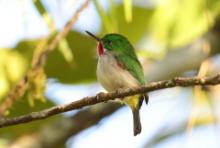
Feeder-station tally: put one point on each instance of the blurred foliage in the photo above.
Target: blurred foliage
(140, 21)
(36, 86)
(82, 69)
(128, 10)
(12, 70)
(106, 20)
(171, 23)
(177, 23)
(22, 107)
(63, 44)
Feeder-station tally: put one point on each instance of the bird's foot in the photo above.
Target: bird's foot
(119, 90)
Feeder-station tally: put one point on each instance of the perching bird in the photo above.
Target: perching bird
(118, 67)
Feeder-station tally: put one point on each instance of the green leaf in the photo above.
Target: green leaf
(12, 70)
(45, 15)
(82, 69)
(113, 14)
(104, 17)
(139, 25)
(65, 50)
(128, 10)
(20, 108)
(176, 24)
(36, 86)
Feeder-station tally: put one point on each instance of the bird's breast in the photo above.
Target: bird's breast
(112, 76)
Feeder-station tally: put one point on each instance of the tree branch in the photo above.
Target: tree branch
(51, 136)
(19, 89)
(103, 97)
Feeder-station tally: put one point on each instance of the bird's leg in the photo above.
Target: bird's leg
(120, 100)
(119, 90)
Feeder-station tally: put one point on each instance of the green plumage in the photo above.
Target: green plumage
(125, 54)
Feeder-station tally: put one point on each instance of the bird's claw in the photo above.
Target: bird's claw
(119, 90)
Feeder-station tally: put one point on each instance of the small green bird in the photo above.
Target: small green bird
(118, 67)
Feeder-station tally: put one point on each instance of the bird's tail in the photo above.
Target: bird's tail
(135, 103)
(136, 121)
(146, 98)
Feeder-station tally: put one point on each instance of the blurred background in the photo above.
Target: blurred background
(171, 37)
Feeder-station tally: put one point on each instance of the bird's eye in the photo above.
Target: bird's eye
(109, 42)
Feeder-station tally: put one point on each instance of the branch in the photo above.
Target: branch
(67, 127)
(19, 89)
(166, 68)
(103, 97)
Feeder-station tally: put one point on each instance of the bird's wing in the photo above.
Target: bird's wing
(131, 64)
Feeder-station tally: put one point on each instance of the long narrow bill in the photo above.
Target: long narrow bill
(94, 36)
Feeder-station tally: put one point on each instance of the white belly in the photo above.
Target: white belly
(111, 76)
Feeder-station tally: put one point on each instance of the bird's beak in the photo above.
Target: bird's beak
(94, 36)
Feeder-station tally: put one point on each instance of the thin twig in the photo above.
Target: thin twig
(103, 97)
(18, 91)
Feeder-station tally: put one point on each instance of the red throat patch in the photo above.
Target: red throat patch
(100, 49)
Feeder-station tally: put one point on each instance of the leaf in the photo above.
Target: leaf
(20, 108)
(45, 15)
(83, 68)
(63, 46)
(128, 10)
(107, 22)
(139, 25)
(65, 50)
(113, 14)
(36, 86)
(12, 70)
(176, 24)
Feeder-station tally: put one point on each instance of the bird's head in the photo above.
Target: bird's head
(113, 43)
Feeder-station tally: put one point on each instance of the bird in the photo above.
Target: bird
(118, 68)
